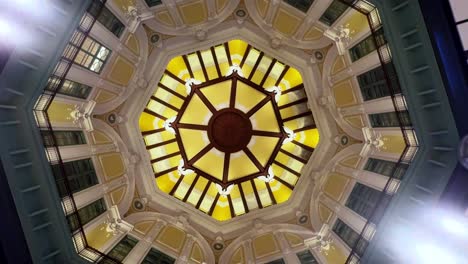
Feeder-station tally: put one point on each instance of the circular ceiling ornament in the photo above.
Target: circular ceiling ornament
(230, 130)
(230, 127)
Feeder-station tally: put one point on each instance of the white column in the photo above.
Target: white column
(380, 105)
(340, 76)
(84, 76)
(272, 8)
(144, 245)
(104, 36)
(289, 255)
(249, 257)
(69, 153)
(186, 250)
(172, 8)
(354, 220)
(93, 193)
(374, 180)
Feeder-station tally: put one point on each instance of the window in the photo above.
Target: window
(386, 167)
(277, 261)
(373, 84)
(364, 199)
(121, 250)
(155, 256)
(302, 5)
(390, 119)
(107, 18)
(69, 88)
(350, 237)
(86, 214)
(333, 12)
(305, 257)
(80, 175)
(367, 45)
(63, 138)
(92, 54)
(151, 3)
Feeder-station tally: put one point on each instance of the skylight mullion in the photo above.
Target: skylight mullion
(189, 191)
(254, 69)
(280, 78)
(228, 53)
(165, 103)
(203, 67)
(174, 188)
(266, 133)
(213, 205)
(267, 73)
(231, 206)
(253, 159)
(257, 197)
(154, 114)
(287, 153)
(283, 182)
(227, 159)
(303, 146)
(281, 165)
(205, 100)
(162, 173)
(215, 58)
(202, 196)
(187, 65)
(270, 192)
(246, 54)
(297, 116)
(242, 195)
(305, 128)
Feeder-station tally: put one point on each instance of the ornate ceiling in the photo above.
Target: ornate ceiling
(228, 130)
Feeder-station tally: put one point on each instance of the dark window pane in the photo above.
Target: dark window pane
(155, 256)
(390, 119)
(367, 45)
(373, 84)
(86, 214)
(305, 257)
(364, 199)
(386, 167)
(80, 175)
(302, 5)
(63, 138)
(151, 3)
(107, 19)
(121, 250)
(350, 237)
(69, 88)
(333, 12)
(278, 261)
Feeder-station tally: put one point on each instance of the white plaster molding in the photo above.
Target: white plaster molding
(327, 66)
(167, 219)
(183, 29)
(265, 25)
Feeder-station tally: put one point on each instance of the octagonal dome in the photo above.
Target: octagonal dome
(228, 129)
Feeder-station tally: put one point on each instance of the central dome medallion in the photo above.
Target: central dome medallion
(233, 114)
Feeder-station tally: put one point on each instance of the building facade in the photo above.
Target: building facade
(211, 131)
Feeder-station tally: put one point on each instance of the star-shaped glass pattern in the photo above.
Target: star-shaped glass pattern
(228, 130)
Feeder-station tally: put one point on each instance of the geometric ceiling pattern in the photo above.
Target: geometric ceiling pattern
(228, 130)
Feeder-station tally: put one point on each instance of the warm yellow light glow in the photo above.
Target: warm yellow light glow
(188, 143)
